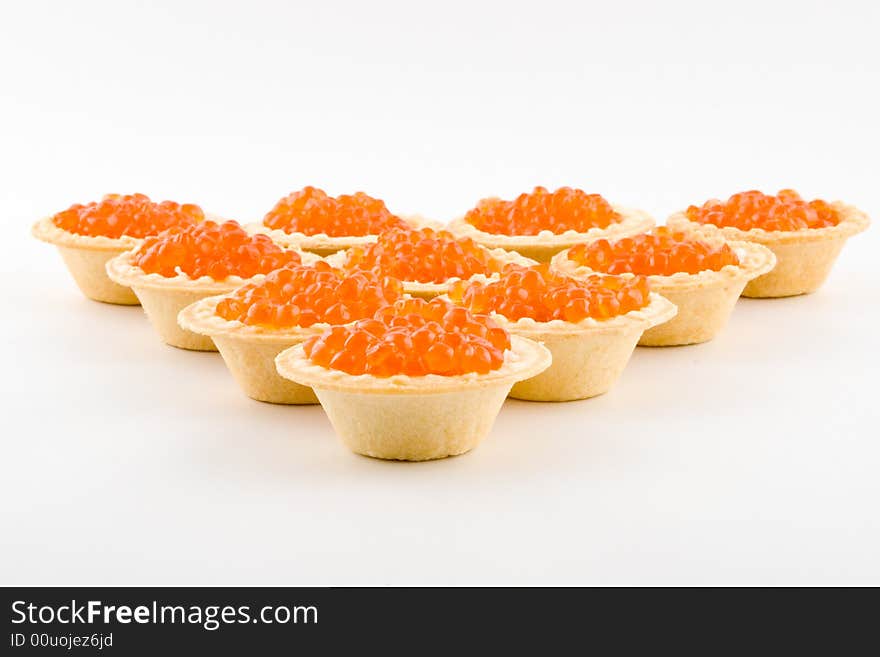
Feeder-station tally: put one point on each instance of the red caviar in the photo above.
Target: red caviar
(134, 215)
(413, 337)
(425, 255)
(311, 211)
(529, 214)
(212, 249)
(661, 252)
(747, 210)
(543, 295)
(306, 295)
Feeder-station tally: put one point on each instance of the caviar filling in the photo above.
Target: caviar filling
(132, 215)
(542, 295)
(413, 337)
(311, 211)
(424, 256)
(303, 296)
(211, 249)
(661, 252)
(785, 211)
(529, 214)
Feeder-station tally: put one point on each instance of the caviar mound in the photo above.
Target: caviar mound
(543, 295)
(413, 337)
(662, 252)
(134, 215)
(786, 211)
(424, 256)
(211, 249)
(311, 211)
(530, 213)
(307, 295)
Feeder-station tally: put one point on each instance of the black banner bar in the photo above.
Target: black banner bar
(150, 621)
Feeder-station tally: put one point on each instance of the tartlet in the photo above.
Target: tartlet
(313, 221)
(426, 260)
(410, 394)
(805, 237)
(540, 224)
(253, 324)
(702, 275)
(590, 325)
(183, 265)
(87, 236)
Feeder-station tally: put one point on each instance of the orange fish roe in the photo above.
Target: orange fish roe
(529, 214)
(660, 252)
(425, 256)
(212, 249)
(747, 210)
(311, 211)
(134, 215)
(543, 295)
(302, 296)
(413, 337)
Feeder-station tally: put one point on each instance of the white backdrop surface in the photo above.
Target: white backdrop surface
(752, 459)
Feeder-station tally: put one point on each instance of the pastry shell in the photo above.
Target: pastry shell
(324, 245)
(430, 290)
(705, 300)
(86, 257)
(164, 297)
(414, 418)
(803, 257)
(588, 356)
(249, 351)
(543, 246)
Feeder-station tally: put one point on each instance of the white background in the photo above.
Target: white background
(753, 459)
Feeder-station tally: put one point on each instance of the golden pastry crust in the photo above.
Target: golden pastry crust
(545, 244)
(522, 360)
(803, 257)
(122, 270)
(414, 418)
(588, 356)
(164, 297)
(47, 231)
(852, 222)
(430, 290)
(705, 300)
(754, 260)
(658, 310)
(201, 317)
(249, 351)
(86, 257)
(325, 245)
